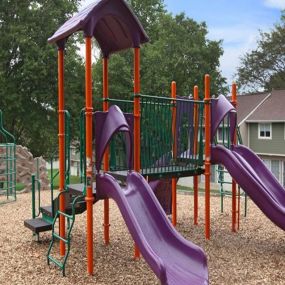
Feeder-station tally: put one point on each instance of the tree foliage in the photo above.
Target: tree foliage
(178, 50)
(28, 70)
(264, 67)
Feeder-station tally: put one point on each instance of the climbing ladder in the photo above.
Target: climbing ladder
(7, 165)
(67, 239)
(46, 218)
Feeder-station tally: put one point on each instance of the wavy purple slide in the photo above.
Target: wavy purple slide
(255, 179)
(173, 259)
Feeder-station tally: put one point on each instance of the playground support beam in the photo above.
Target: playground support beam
(207, 155)
(174, 150)
(89, 165)
(106, 155)
(234, 185)
(61, 142)
(137, 131)
(195, 179)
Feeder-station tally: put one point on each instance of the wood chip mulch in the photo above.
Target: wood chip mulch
(254, 255)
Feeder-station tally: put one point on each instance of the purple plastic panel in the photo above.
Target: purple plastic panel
(111, 22)
(220, 108)
(174, 260)
(106, 125)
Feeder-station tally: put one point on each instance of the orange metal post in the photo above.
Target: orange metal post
(61, 140)
(234, 186)
(89, 165)
(174, 149)
(195, 178)
(238, 211)
(137, 131)
(106, 155)
(207, 155)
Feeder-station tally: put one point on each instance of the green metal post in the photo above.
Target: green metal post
(33, 197)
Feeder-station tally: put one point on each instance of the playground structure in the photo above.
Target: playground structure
(7, 165)
(184, 130)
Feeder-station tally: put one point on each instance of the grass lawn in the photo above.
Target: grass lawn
(73, 179)
(20, 186)
(190, 190)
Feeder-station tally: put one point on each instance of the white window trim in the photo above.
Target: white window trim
(265, 138)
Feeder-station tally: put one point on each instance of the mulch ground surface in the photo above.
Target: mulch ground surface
(254, 255)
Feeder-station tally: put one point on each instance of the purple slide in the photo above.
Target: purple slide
(255, 179)
(173, 259)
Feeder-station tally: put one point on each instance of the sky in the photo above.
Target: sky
(236, 22)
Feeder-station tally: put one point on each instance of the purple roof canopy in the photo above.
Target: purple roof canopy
(111, 22)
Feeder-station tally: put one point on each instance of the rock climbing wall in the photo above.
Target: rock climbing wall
(28, 165)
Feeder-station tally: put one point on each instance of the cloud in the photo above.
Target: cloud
(237, 40)
(279, 4)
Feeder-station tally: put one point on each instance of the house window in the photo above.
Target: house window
(267, 163)
(264, 131)
(275, 168)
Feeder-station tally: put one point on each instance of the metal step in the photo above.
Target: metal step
(47, 210)
(79, 209)
(38, 225)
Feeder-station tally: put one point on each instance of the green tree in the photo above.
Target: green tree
(178, 50)
(28, 70)
(264, 67)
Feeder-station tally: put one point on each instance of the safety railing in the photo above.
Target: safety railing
(171, 142)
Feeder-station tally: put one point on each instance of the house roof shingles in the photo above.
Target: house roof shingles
(272, 109)
(247, 103)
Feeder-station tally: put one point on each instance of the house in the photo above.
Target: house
(264, 131)
(261, 120)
